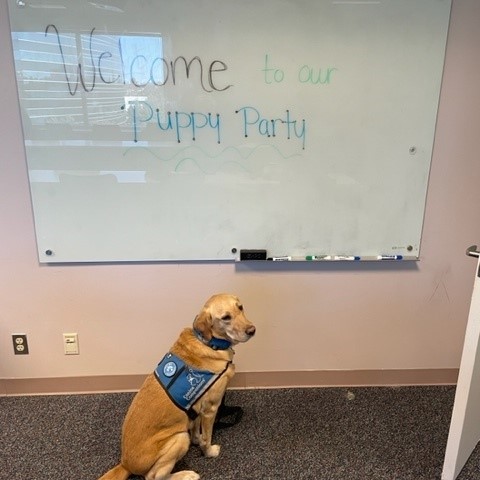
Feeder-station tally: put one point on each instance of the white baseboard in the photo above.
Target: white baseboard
(289, 379)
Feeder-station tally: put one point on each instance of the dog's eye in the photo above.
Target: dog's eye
(227, 317)
(240, 307)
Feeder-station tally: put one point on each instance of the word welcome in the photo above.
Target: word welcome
(185, 126)
(137, 69)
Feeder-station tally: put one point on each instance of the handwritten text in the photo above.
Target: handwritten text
(189, 126)
(160, 71)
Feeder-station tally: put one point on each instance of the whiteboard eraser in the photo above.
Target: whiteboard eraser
(253, 254)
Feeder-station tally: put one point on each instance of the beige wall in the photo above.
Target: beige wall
(322, 317)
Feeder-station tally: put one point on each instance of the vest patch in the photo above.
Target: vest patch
(183, 383)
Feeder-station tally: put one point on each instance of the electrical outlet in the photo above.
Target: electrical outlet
(20, 344)
(70, 343)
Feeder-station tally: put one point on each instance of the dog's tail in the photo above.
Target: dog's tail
(116, 473)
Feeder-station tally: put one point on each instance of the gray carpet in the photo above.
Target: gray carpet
(314, 434)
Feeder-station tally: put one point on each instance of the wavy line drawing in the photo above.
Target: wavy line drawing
(195, 162)
(207, 154)
(149, 150)
(263, 145)
(193, 158)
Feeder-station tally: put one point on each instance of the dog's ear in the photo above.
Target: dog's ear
(203, 323)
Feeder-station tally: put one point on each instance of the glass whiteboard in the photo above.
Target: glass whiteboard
(188, 130)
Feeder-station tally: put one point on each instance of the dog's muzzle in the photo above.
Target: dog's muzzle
(250, 331)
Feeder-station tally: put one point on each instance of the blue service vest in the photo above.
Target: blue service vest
(183, 383)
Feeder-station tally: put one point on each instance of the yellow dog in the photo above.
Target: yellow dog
(178, 402)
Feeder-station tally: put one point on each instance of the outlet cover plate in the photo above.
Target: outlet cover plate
(20, 343)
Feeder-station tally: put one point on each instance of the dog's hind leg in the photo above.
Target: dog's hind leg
(171, 453)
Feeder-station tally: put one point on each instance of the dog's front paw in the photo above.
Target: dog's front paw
(189, 475)
(212, 451)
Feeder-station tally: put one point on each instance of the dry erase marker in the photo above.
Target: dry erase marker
(342, 257)
(390, 257)
(315, 257)
(280, 259)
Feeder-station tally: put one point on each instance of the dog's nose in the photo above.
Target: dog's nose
(250, 331)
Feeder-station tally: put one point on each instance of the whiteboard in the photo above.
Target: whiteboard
(187, 130)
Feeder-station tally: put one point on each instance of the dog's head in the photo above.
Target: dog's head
(223, 317)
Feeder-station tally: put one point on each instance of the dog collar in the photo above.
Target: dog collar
(215, 343)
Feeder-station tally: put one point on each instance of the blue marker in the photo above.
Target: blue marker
(390, 257)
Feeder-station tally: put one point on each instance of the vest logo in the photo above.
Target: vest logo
(169, 369)
(196, 381)
(194, 378)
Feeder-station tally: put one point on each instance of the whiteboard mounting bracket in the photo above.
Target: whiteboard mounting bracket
(473, 251)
